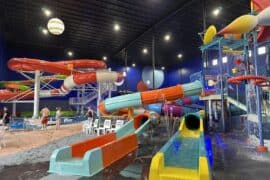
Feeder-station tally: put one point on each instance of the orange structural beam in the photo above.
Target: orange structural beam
(12, 85)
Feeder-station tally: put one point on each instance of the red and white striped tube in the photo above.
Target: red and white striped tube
(82, 78)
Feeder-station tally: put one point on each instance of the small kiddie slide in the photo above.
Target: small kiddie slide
(184, 155)
(89, 157)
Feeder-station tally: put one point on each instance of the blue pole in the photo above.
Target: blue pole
(258, 97)
(221, 85)
(248, 105)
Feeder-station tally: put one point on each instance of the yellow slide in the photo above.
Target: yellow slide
(183, 157)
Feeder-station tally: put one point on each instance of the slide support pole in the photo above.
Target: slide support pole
(36, 94)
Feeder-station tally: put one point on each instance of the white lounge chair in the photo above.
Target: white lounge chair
(106, 127)
(95, 126)
(118, 124)
(88, 127)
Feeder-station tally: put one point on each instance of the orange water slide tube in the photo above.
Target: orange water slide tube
(58, 67)
(149, 97)
(77, 72)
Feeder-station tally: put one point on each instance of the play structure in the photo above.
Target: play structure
(235, 54)
(184, 155)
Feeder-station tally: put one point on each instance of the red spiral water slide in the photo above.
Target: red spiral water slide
(74, 69)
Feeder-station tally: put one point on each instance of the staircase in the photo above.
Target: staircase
(83, 100)
(87, 100)
(237, 103)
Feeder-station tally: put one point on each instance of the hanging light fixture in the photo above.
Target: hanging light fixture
(56, 26)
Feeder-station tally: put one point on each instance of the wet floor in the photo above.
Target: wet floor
(233, 159)
(25, 171)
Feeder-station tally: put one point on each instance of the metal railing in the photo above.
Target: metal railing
(83, 100)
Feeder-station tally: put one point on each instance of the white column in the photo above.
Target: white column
(98, 101)
(110, 90)
(210, 113)
(36, 94)
(13, 109)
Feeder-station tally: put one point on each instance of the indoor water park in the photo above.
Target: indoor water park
(131, 90)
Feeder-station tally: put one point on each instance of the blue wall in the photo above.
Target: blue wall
(132, 78)
(181, 74)
(174, 76)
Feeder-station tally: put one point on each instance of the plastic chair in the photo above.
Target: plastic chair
(89, 127)
(95, 126)
(118, 124)
(86, 128)
(106, 126)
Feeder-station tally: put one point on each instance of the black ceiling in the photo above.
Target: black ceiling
(89, 27)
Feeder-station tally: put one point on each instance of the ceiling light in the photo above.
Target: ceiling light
(44, 31)
(104, 58)
(167, 37)
(216, 11)
(70, 53)
(163, 68)
(133, 65)
(211, 82)
(47, 12)
(128, 68)
(214, 62)
(145, 50)
(148, 82)
(249, 53)
(225, 59)
(116, 27)
(56, 26)
(261, 50)
(125, 74)
(179, 55)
